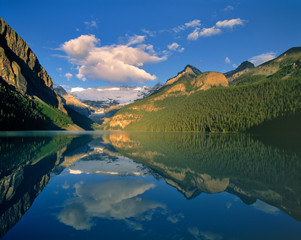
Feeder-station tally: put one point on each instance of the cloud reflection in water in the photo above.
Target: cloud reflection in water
(118, 199)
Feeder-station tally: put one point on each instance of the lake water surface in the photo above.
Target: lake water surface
(102, 185)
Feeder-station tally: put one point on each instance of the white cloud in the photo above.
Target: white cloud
(227, 60)
(193, 23)
(216, 29)
(112, 63)
(175, 47)
(229, 23)
(257, 60)
(205, 32)
(194, 35)
(115, 199)
(68, 76)
(59, 69)
(77, 89)
(80, 47)
(135, 39)
(91, 24)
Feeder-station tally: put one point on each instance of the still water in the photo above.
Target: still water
(87, 185)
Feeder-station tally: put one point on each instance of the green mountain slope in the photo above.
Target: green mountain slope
(287, 65)
(201, 104)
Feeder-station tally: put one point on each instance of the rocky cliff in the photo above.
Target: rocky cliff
(20, 68)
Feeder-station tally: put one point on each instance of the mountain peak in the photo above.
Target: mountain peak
(190, 68)
(243, 67)
(292, 50)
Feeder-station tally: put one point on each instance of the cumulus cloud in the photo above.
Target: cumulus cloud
(115, 199)
(80, 47)
(229, 23)
(68, 76)
(227, 60)
(175, 47)
(259, 59)
(112, 63)
(216, 29)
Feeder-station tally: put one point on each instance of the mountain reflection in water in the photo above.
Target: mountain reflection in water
(96, 179)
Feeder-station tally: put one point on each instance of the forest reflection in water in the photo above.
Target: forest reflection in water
(104, 179)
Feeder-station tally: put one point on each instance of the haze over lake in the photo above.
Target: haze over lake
(88, 185)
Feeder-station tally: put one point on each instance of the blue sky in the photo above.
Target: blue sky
(142, 42)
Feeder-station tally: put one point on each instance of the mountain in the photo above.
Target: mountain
(27, 98)
(205, 102)
(72, 102)
(287, 65)
(104, 97)
(241, 69)
(20, 68)
(101, 103)
(189, 71)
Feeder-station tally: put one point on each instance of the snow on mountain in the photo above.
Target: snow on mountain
(118, 95)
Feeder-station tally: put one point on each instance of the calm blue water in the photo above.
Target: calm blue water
(152, 186)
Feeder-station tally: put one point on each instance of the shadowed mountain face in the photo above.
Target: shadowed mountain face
(20, 68)
(238, 164)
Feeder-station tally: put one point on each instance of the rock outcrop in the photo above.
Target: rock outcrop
(188, 70)
(20, 67)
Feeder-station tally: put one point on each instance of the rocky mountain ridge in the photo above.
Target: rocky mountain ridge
(20, 68)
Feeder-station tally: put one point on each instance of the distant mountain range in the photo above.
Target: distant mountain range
(102, 102)
(112, 95)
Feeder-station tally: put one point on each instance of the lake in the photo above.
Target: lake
(117, 185)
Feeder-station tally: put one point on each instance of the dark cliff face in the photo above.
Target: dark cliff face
(20, 68)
